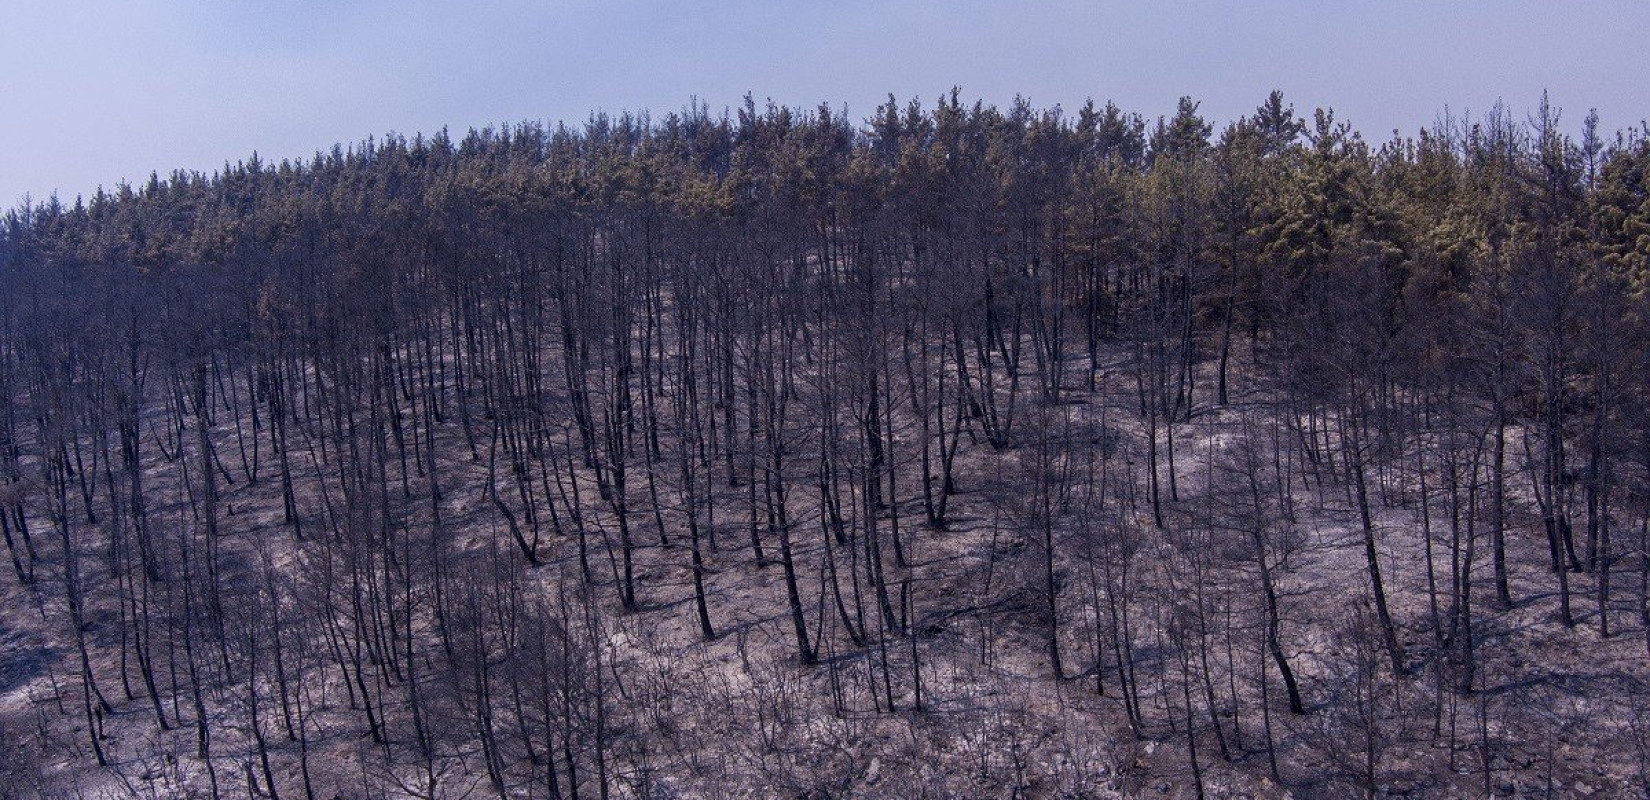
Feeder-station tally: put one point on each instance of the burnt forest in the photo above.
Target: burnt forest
(951, 450)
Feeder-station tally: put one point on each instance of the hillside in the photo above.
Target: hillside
(968, 453)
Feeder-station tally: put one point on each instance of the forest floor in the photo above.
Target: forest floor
(1554, 711)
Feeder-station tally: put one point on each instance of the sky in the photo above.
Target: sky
(94, 92)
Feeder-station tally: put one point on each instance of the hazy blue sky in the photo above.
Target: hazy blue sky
(94, 91)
